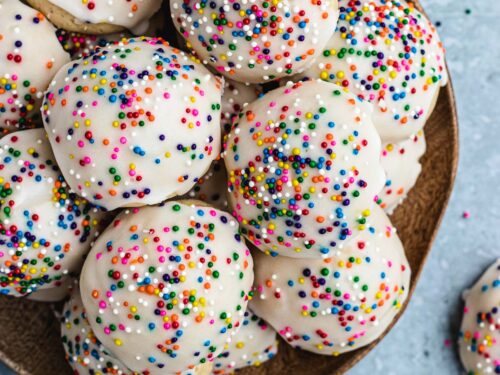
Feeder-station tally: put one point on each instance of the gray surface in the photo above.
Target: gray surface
(4, 370)
(464, 247)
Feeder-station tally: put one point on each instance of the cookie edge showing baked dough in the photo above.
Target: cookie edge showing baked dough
(65, 20)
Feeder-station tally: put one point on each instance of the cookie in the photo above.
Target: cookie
(335, 305)
(253, 344)
(30, 56)
(98, 17)
(46, 230)
(388, 53)
(165, 287)
(401, 163)
(304, 169)
(479, 337)
(256, 41)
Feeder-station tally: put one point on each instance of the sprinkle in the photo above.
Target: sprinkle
(42, 238)
(255, 41)
(161, 273)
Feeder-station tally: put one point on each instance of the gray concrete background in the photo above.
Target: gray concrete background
(423, 341)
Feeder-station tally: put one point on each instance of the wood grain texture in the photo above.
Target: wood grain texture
(29, 332)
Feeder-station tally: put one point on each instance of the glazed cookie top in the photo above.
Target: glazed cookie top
(389, 53)
(402, 168)
(235, 98)
(29, 57)
(45, 229)
(212, 187)
(254, 344)
(256, 41)
(304, 168)
(479, 338)
(84, 352)
(135, 123)
(133, 15)
(339, 304)
(165, 287)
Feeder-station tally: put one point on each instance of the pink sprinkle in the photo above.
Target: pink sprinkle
(466, 215)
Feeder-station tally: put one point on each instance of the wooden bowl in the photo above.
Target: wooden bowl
(30, 340)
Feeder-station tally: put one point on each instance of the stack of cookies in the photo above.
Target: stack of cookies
(193, 203)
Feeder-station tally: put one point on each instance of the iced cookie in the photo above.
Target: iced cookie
(30, 56)
(479, 338)
(45, 228)
(332, 306)
(401, 163)
(212, 187)
(254, 344)
(304, 169)
(84, 352)
(59, 292)
(388, 53)
(98, 17)
(235, 98)
(165, 287)
(256, 41)
(135, 123)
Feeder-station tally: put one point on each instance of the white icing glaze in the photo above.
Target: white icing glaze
(258, 43)
(408, 57)
(253, 344)
(84, 352)
(133, 15)
(135, 123)
(402, 168)
(30, 56)
(479, 338)
(46, 230)
(165, 287)
(304, 168)
(337, 305)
